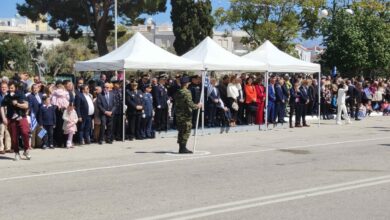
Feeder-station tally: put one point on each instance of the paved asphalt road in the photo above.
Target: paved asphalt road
(331, 172)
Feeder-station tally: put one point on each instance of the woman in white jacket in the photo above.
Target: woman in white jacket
(341, 107)
(233, 94)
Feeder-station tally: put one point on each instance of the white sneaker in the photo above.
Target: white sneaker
(27, 155)
(349, 122)
(17, 156)
(339, 123)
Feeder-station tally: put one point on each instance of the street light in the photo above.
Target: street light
(116, 23)
(349, 11)
(323, 13)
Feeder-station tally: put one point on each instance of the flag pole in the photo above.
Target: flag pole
(202, 98)
(319, 98)
(124, 108)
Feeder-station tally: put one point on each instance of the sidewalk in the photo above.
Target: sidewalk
(247, 128)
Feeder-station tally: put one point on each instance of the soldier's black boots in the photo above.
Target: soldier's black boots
(183, 149)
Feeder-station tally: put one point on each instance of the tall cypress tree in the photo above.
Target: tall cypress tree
(192, 22)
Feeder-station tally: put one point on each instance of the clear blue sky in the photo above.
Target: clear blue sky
(8, 9)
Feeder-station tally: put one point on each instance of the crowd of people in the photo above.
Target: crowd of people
(61, 114)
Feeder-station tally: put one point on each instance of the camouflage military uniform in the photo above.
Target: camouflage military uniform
(184, 108)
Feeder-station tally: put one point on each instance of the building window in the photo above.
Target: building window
(36, 27)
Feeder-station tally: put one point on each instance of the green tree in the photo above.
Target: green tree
(358, 43)
(192, 22)
(280, 21)
(61, 58)
(13, 49)
(70, 16)
(123, 36)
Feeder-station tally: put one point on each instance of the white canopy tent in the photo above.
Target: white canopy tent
(216, 58)
(138, 53)
(279, 61)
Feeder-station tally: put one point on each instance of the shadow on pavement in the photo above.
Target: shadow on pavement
(6, 158)
(156, 152)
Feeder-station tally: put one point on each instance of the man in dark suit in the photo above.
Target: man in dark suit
(358, 94)
(222, 89)
(271, 100)
(196, 90)
(134, 102)
(118, 114)
(34, 103)
(213, 100)
(105, 103)
(280, 101)
(304, 101)
(160, 101)
(85, 110)
(351, 99)
(172, 90)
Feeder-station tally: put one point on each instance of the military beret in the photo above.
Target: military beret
(184, 79)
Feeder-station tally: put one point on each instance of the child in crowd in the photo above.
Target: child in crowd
(60, 97)
(368, 107)
(385, 108)
(147, 114)
(47, 120)
(362, 112)
(70, 124)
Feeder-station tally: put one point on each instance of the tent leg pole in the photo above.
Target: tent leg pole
(198, 117)
(124, 111)
(203, 99)
(266, 101)
(319, 98)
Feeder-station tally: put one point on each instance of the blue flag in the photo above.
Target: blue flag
(42, 133)
(207, 84)
(34, 122)
(334, 71)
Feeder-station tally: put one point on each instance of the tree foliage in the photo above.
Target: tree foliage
(14, 49)
(358, 44)
(70, 16)
(61, 58)
(280, 21)
(192, 22)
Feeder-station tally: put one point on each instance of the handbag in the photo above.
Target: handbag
(235, 106)
(253, 107)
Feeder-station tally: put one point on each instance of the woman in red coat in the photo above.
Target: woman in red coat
(261, 95)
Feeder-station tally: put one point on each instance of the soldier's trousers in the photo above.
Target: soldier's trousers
(184, 127)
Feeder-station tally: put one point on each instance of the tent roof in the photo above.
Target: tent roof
(215, 57)
(138, 53)
(278, 61)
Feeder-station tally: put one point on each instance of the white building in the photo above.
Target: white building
(311, 54)
(162, 35)
(25, 27)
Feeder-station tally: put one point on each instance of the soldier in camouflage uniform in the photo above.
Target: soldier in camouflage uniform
(184, 108)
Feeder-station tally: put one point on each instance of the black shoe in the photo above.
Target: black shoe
(100, 142)
(183, 149)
